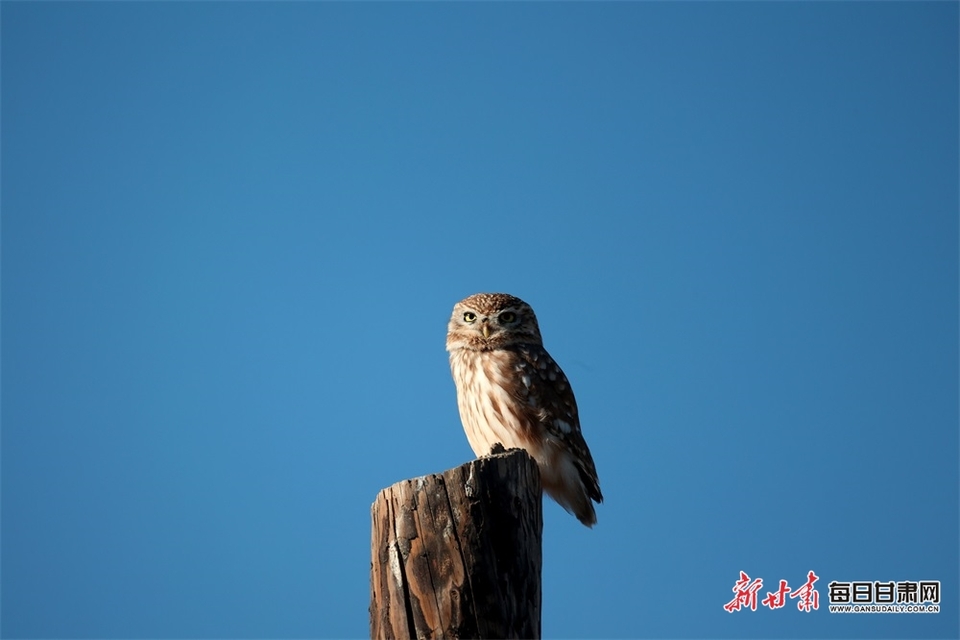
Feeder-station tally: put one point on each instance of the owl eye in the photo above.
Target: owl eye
(507, 317)
(469, 316)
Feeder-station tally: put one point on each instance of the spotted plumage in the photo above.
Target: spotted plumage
(511, 391)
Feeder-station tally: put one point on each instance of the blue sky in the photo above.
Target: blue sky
(232, 234)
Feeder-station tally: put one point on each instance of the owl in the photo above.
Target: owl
(511, 391)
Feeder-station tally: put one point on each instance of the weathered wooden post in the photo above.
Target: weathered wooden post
(458, 555)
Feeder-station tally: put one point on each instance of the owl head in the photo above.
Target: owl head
(487, 321)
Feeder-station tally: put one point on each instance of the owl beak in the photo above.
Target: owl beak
(485, 328)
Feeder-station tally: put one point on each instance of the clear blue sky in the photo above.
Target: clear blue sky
(232, 234)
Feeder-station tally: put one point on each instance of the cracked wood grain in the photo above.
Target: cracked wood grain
(458, 554)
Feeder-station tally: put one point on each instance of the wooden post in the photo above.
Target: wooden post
(457, 555)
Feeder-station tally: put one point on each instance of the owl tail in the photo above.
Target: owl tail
(576, 502)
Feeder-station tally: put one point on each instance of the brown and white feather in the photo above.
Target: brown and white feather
(509, 390)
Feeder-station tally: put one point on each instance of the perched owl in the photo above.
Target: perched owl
(510, 391)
